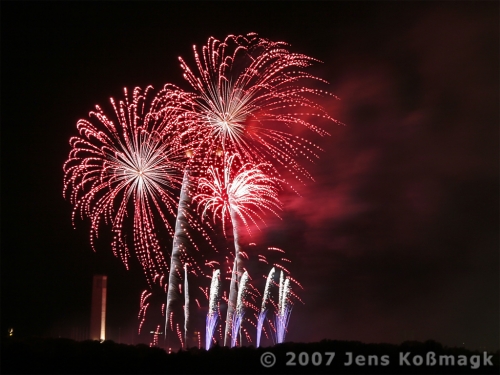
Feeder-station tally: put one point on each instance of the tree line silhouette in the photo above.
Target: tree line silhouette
(61, 355)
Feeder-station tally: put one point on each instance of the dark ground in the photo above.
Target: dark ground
(57, 356)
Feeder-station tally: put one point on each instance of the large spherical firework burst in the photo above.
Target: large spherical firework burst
(249, 93)
(124, 169)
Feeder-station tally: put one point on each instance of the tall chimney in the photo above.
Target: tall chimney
(98, 310)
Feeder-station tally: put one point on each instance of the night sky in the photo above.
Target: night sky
(398, 237)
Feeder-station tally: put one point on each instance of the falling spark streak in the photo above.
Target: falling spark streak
(179, 335)
(204, 292)
(129, 163)
(263, 260)
(144, 309)
(212, 263)
(275, 249)
(247, 335)
(296, 282)
(263, 310)
(213, 314)
(143, 306)
(240, 309)
(155, 337)
(265, 332)
(280, 266)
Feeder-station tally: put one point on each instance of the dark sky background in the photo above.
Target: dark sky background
(397, 239)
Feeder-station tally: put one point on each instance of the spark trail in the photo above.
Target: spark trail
(263, 310)
(143, 307)
(283, 314)
(212, 315)
(240, 309)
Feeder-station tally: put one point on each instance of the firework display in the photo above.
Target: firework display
(223, 151)
(232, 194)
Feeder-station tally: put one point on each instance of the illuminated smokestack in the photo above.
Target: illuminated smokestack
(98, 310)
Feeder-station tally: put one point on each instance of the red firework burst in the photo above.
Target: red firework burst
(130, 162)
(246, 192)
(249, 92)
